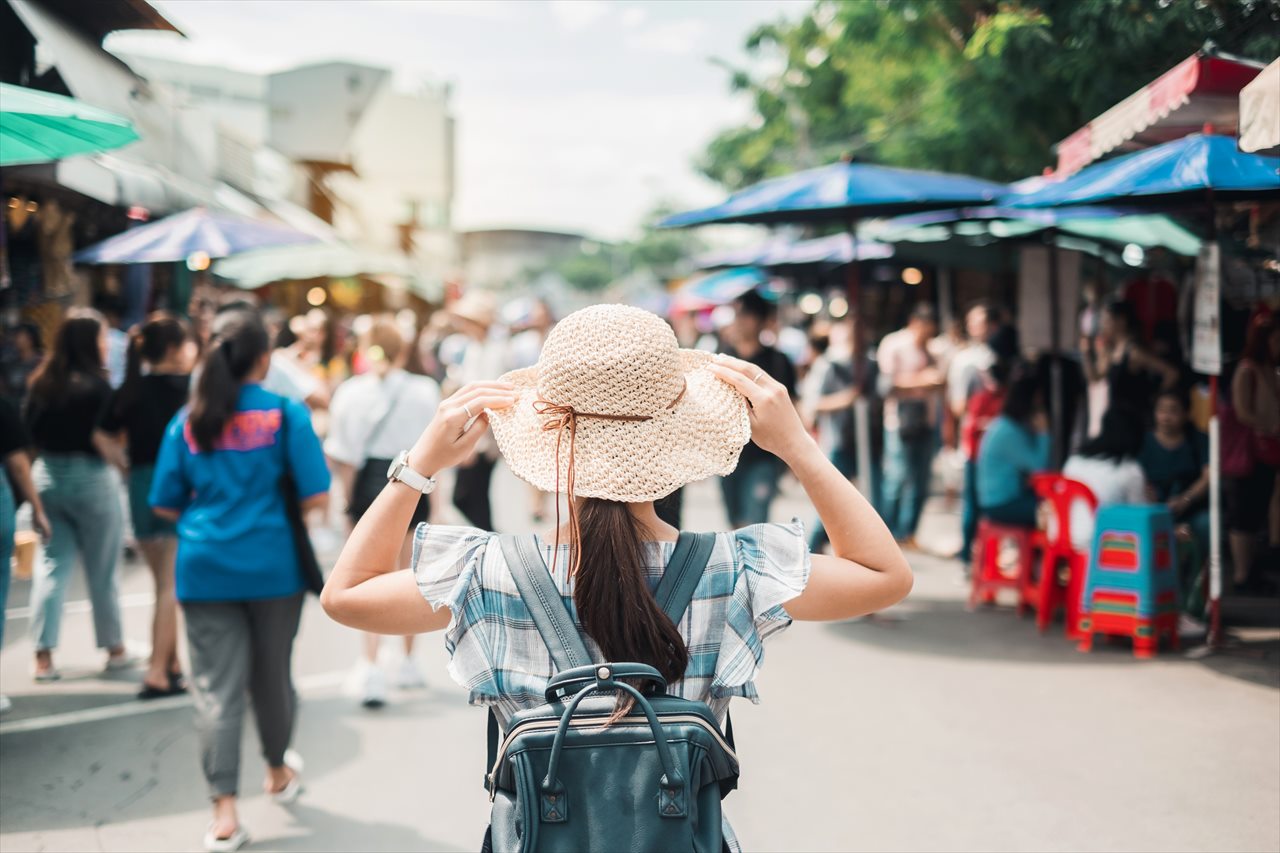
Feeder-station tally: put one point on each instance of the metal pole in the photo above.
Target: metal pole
(1056, 453)
(861, 406)
(1214, 638)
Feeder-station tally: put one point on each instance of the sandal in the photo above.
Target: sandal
(151, 692)
(288, 795)
(230, 844)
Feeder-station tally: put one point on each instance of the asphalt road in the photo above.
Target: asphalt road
(935, 729)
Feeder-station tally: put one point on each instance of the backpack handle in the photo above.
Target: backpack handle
(672, 801)
(580, 676)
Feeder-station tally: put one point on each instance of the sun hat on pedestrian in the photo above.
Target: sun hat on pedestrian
(478, 306)
(614, 409)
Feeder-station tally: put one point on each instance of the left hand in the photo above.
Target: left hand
(40, 522)
(448, 440)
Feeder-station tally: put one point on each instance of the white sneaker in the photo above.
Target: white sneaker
(5, 704)
(373, 690)
(409, 677)
(213, 844)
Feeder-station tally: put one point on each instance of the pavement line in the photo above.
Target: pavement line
(133, 599)
(316, 681)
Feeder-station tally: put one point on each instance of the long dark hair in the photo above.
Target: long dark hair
(1024, 397)
(75, 350)
(1120, 437)
(613, 599)
(149, 342)
(238, 341)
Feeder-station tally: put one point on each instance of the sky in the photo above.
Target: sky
(571, 114)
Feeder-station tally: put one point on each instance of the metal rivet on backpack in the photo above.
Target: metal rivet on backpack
(552, 814)
(602, 672)
(551, 798)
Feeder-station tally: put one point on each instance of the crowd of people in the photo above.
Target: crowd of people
(225, 434)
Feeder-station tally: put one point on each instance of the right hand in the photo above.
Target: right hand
(448, 440)
(775, 423)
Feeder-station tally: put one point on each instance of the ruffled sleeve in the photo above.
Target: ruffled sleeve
(448, 564)
(770, 567)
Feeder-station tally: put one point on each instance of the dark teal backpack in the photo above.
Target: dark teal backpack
(561, 780)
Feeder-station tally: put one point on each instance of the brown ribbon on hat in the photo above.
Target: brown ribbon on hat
(565, 419)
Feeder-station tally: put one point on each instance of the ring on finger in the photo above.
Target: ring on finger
(756, 378)
(466, 408)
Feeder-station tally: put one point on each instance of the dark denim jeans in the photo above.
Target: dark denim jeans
(908, 467)
(749, 490)
(845, 464)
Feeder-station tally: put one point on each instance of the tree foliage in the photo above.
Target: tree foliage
(984, 87)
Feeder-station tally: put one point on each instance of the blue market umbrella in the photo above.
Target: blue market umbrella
(842, 192)
(717, 288)
(177, 237)
(1193, 166)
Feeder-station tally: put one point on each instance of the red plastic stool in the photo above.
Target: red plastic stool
(989, 577)
(1050, 588)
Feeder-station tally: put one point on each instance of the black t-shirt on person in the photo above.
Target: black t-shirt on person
(145, 414)
(776, 364)
(13, 433)
(66, 424)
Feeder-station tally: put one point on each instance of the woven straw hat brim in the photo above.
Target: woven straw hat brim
(629, 461)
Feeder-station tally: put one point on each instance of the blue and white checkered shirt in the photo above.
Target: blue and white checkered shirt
(497, 654)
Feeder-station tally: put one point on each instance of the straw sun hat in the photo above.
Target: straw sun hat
(614, 409)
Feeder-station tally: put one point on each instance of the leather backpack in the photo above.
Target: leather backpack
(563, 778)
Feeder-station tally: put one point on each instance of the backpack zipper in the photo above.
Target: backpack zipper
(595, 722)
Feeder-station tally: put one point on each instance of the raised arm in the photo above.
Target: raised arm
(868, 571)
(367, 589)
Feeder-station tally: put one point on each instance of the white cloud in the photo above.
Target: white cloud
(681, 37)
(634, 16)
(577, 15)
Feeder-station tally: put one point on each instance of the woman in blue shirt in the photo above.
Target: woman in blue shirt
(1015, 446)
(219, 476)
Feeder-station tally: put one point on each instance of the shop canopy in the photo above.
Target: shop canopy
(836, 249)
(38, 127)
(1107, 224)
(842, 192)
(1202, 90)
(303, 262)
(195, 231)
(1196, 167)
(1260, 111)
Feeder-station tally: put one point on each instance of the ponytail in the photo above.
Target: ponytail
(149, 343)
(238, 342)
(612, 594)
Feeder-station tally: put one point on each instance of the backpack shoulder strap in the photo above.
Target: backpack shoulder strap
(680, 578)
(544, 603)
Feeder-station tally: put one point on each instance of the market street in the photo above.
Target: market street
(931, 728)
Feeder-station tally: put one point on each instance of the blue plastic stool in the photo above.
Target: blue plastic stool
(1131, 584)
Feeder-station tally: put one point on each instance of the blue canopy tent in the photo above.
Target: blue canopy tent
(834, 249)
(841, 192)
(717, 288)
(1201, 168)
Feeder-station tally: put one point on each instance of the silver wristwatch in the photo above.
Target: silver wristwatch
(401, 472)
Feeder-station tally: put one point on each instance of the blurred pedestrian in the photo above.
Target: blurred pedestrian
(372, 418)
(1254, 499)
(80, 492)
(982, 408)
(1175, 463)
(1108, 465)
(964, 372)
(911, 384)
(523, 351)
(829, 407)
(220, 475)
(685, 419)
(156, 385)
(21, 359)
(750, 489)
(1131, 372)
(16, 486)
(1015, 446)
(482, 359)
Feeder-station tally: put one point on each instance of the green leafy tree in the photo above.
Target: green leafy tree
(984, 87)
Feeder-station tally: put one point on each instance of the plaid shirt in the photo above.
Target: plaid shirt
(497, 654)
